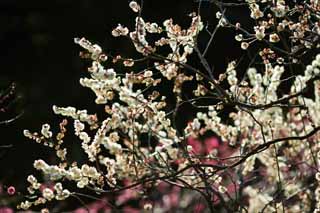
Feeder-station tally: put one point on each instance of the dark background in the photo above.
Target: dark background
(39, 55)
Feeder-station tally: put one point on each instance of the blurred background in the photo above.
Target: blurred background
(39, 56)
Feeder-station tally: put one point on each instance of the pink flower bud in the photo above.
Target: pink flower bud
(11, 190)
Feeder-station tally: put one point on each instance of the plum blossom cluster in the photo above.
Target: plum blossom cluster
(48, 194)
(266, 158)
(291, 27)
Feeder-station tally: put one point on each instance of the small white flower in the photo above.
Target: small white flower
(120, 31)
(83, 182)
(134, 6)
(31, 179)
(110, 74)
(48, 194)
(45, 131)
(260, 32)
(239, 37)
(147, 206)
(25, 205)
(147, 73)
(58, 187)
(40, 165)
(218, 15)
(244, 45)
(274, 38)
(63, 195)
(75, 173)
